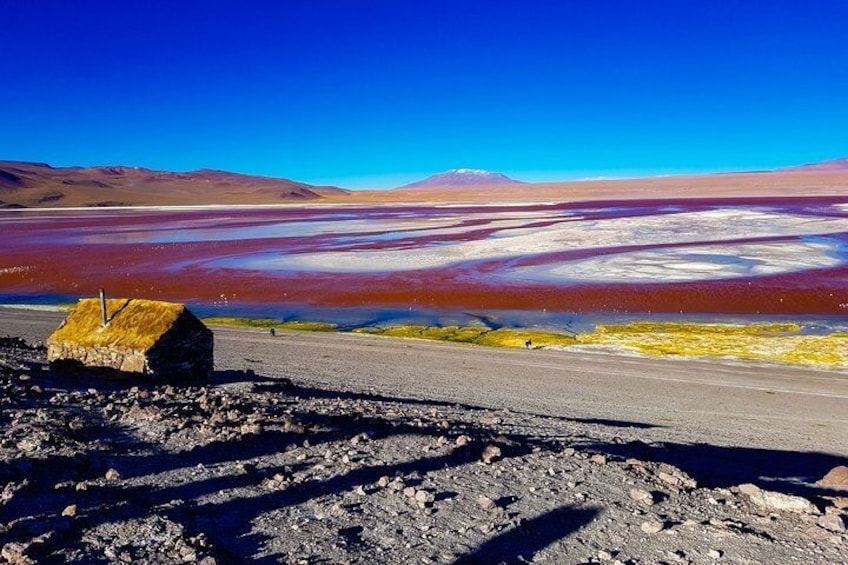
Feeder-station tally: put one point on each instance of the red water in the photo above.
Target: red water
(195, 256)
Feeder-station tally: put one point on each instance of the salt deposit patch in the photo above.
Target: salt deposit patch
(688, 227)
(342, 225)
(697, 263)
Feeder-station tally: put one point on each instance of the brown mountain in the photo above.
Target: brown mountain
(40, 185)
(832, 165)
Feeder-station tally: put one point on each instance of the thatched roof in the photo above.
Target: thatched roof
(133, 323)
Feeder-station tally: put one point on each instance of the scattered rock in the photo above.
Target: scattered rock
(15, 554)
(340, 512)
(832, 523)
(462, 441)
(424, 497)
(490, 421)
(642, 496)
(652, 527)
(676, 478)
(749, 489)
(491, 453)
(485, 502)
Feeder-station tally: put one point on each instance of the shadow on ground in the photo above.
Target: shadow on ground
(229, 524)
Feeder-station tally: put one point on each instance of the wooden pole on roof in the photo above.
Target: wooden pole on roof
(103, 317)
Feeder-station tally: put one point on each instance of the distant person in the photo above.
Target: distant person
(273, 332)
(528, 344)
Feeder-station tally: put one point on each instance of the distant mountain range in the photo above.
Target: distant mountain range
(40, 185)
(463, 177)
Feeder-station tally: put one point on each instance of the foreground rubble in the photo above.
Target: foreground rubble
(250, 468)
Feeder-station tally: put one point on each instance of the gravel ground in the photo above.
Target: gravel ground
(270, 470)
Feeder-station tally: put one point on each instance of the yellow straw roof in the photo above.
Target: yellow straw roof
(133, 323)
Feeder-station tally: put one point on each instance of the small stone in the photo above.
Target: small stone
(359, 438)
(652, 527)
(462, 441)
(598, 459)
(383, 481)
(490, 454)
(485, 502)
(188, 553)
(604, 555)
(642, 496)
(749, 489)
(424, 497)
(409, 492)
(676, 480)
(715, 553)
(250, 429)
(70, 510)
(112, 475)
(832, 523)
(490, 421)
(29, 444)
(15, 553)
(817, 533)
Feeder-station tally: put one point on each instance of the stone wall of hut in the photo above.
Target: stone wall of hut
(120, 359)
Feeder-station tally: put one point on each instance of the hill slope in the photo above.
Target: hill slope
(831, 165)
(40, 185)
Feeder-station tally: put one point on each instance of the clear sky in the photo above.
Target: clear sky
(375, 93)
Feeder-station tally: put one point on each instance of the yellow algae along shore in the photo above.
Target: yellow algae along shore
(772, 343)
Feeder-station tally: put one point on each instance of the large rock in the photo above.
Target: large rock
(777, 500)
(836, 479)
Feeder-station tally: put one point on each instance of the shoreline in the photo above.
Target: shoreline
(663, 340)
(773, 343)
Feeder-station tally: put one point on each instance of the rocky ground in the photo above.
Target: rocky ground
(249, 468)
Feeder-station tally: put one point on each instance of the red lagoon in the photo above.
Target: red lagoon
(728, 256)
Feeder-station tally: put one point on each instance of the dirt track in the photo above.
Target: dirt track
(770, 407)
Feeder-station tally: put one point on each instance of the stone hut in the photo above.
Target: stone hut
(161, 340)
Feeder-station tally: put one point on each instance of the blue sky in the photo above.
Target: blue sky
(373, 93)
